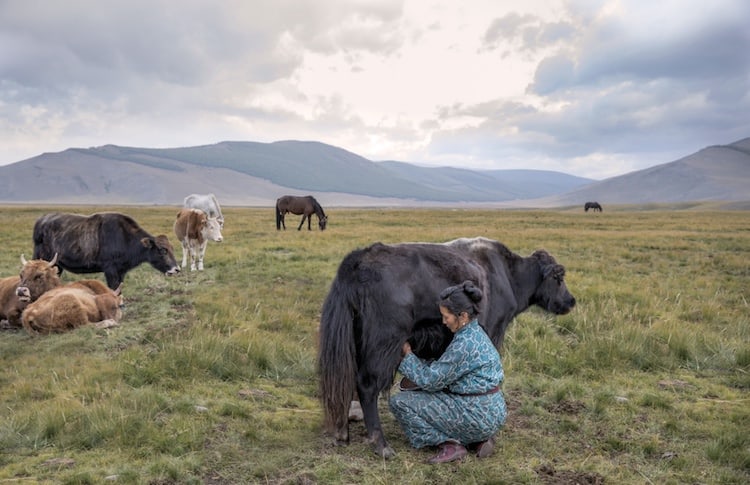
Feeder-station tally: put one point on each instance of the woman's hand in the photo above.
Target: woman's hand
(406, 349)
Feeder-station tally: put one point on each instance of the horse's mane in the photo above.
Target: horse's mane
(317, 207)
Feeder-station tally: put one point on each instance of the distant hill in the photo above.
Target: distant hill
(715, 173)
(255, 174)
(487, 185)
(249, 173)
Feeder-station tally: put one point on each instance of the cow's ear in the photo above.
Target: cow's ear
(147, 242)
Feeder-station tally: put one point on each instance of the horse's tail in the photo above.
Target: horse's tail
(337, 365)
(278, 216)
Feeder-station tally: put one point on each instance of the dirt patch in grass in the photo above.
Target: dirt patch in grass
(566, 407)
(550, 475)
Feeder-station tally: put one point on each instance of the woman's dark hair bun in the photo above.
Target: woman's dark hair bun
(474, 293)
(464, 297)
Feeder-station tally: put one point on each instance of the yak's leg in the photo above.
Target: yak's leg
(368, 399)
(299, 228)
(114, 276)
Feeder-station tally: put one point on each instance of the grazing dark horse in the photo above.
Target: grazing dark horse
(384, 295)
(307, 206)
(593, 206)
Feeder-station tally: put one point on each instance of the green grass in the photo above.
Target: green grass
(211, 376)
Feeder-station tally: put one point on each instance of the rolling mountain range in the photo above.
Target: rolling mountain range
(255, 174)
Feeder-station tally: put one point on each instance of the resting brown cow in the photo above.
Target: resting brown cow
(38, 278)
(38, 275)
(194, 229)
(95, 287)
(67, 307)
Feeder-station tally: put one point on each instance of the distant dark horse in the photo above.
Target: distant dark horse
(593, 206)
(384, 295)
(307, 206)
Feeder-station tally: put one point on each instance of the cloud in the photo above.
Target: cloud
(507, 27)
(527, 32)
(663, 41)
(552, 74)
(570, 84)
(628, 86)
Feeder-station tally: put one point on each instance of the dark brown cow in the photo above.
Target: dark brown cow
(107, 242)
(39, 275)
(194, 229)
(66, 308)
(384, 295)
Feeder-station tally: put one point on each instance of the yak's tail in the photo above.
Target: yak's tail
(337, 365)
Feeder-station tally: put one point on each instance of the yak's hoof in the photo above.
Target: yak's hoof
(341, 440)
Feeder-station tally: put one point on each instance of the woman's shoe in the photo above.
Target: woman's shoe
(485, 448)
(448, 452)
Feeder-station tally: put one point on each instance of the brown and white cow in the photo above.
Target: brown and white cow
(69, 307)
(38, 275)
(194, 229)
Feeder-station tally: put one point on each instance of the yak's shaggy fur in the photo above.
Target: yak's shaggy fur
(384, 295)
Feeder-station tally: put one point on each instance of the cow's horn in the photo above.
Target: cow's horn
(23, 260)
(54, 260)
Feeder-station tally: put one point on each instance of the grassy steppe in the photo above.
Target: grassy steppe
(211, 376)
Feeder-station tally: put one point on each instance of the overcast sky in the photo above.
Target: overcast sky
(591, 88)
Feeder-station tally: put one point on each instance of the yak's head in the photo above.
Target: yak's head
(161, 254)
(552, 294)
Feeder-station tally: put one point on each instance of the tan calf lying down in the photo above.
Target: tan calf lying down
(68, 307)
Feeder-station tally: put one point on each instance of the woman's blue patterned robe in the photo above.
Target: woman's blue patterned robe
(451, 405)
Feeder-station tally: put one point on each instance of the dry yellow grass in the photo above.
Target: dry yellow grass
(211, 377)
